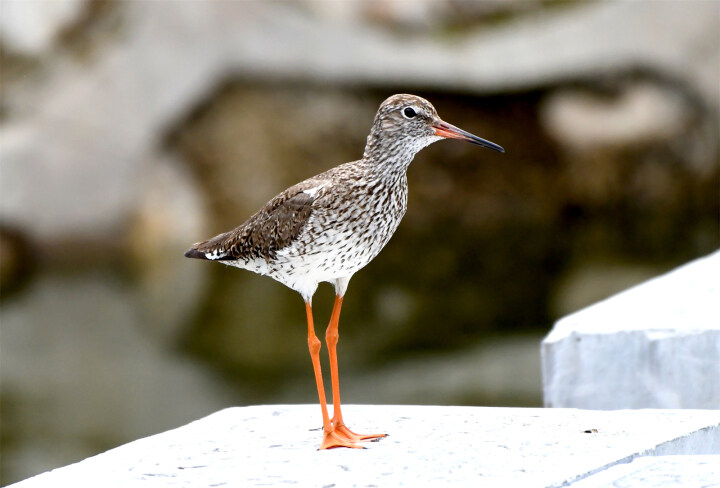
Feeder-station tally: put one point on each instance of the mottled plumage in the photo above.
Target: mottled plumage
(328, 227)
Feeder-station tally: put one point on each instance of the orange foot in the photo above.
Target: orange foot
(353, 437)
(341, 436)
(333, 439)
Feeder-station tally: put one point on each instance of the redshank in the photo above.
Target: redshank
(330, 226)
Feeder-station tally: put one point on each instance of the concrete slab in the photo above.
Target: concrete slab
(664, 471)
(428, 446)
(656, 345)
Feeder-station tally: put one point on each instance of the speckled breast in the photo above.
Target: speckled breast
(345, 232)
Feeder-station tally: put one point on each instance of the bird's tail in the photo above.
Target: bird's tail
(194, 253)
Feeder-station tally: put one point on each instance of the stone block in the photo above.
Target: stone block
(656, 345)
(428, 446)
(658, 471)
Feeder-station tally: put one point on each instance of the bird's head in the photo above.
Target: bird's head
(405, 124)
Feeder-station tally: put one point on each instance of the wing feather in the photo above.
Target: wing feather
(274, 227)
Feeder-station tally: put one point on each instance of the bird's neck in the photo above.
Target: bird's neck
(389, 154)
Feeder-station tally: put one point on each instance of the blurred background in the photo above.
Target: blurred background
(130, 130)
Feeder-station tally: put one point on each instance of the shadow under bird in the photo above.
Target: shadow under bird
(330, 226)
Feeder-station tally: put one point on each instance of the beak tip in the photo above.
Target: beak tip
(443, 129)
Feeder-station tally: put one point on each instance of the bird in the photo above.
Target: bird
(328, 227)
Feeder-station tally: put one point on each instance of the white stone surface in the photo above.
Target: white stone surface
(428, 446)
(656, 345)
(664, 471)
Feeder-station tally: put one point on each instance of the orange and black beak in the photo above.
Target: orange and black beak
(443, 129)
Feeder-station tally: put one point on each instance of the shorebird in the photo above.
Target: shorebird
(330, 226)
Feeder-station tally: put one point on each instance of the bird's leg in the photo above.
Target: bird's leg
(330, 437)
(331, 337)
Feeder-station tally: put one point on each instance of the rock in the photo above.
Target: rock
(30, 28)
(86, 128)
(640, 114)
(656, 345)
(657, 471)
(428, 446)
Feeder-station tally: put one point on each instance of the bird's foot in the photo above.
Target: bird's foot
(333, 439)
(341, 429)
(341, 436)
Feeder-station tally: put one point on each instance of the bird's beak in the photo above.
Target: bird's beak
(443, 129)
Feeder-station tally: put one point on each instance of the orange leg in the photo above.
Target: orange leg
(331, 337)
(330, 437)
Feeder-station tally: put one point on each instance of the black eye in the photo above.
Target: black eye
(409, 113)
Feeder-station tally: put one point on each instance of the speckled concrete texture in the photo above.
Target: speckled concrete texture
(663, 471)
(428, 446)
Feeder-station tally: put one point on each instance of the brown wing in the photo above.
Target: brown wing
(274, 227)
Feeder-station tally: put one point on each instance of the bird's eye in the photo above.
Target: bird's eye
(409, 113)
